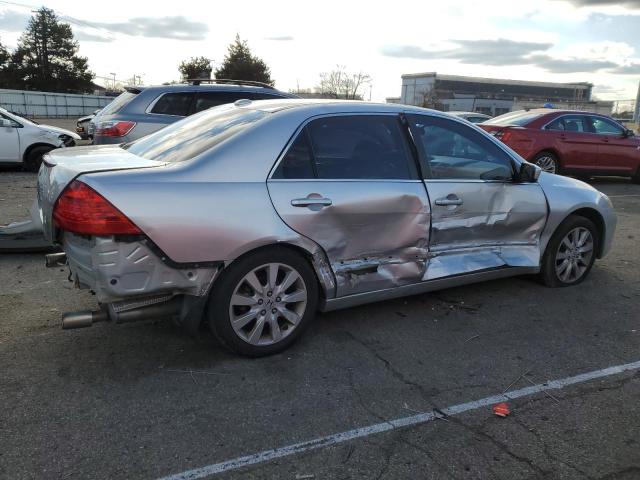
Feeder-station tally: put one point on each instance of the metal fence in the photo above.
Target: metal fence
(50, 105)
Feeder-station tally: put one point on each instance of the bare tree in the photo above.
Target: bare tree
(430, 98)
(339, 83)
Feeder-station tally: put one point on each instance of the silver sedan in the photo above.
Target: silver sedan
(252, 216)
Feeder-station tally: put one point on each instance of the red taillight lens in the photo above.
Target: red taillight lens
(114, 129)
(80, 209)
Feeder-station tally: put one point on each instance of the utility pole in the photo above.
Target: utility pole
(113, 87)
(636, 115)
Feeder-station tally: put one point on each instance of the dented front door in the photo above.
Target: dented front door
(482, 218)
(349, 183)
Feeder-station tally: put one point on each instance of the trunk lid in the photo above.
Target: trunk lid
(61, 166)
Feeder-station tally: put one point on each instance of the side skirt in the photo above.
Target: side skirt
(424, 287)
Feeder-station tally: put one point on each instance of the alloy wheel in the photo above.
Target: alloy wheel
(547, 164)
(574, 255)
(268, 304)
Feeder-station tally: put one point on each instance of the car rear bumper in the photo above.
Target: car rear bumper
(122, 270)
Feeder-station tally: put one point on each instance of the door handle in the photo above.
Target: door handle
(309, 202)
(449, 200)
(605, 140)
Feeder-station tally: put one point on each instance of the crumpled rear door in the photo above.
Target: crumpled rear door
(375, 231)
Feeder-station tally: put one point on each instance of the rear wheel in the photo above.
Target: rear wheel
(262, 303)
(33, 159)
(570, 253)
(547, 161)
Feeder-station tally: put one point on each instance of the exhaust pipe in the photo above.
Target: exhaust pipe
(158, 310)
(83, 319)
(87, 318)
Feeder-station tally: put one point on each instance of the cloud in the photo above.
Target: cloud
(175, 27)
(630, 69)
(504, 52)
(482, 52)
(284, 38)
(606, 3)
(90, 37)
(570, 65)
(12, 21)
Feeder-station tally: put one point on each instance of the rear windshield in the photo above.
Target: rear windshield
(514, 118)
(194, 135)
(118, 103)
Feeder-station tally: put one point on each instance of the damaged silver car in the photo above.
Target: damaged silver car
(252, 216)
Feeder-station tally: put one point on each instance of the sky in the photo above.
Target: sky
(595, 41)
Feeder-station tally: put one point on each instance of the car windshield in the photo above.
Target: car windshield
(514, 118)
(194, 135)
(117, 103)
(19, 117)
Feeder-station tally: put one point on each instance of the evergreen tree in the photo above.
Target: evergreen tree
(195, 67)
(46, 58)
(240, 64)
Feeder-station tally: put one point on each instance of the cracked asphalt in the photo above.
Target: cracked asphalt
(146, 400)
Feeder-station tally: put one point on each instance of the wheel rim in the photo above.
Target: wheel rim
(547, 164)
(574, 255)
(268, 304)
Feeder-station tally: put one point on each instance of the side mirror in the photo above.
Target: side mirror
(529, 172)
(6, 123)
(628, 133)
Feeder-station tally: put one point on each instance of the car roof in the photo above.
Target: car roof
(331, 106)
(231, 87)
(460, 112)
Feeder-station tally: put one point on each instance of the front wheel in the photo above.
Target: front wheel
(262, 303)
(570, 253)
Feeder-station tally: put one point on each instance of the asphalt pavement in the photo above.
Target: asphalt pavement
(147, 401)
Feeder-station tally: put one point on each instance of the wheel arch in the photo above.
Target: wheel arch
(311, 252)
(33, 146)
(594, 216)
(551, 150)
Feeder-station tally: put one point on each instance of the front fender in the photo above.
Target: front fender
(566, 196)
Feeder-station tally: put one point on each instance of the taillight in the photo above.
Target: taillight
(502, 135)
(80, 209)
(114, 129)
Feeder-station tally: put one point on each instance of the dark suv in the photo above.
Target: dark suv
(140, 111)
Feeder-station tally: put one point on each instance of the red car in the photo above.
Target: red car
(570, 142)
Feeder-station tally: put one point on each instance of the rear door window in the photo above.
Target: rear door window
(360, 147)
(177, 104)
(297, 163)
(569, 123)
(205, 100)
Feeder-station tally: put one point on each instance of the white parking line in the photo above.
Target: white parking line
(341, 437)
(624, 195)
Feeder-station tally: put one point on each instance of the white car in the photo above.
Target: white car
(24, 142)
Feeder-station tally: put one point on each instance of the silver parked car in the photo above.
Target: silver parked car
(140, 110)
(252, 216)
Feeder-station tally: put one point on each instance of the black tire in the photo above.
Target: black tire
(543, 157)
(636, 177)
(33, 160)
(219, 306)
(548, 273)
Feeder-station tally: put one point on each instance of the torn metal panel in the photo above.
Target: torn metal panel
(117, 271)
(447, 263)
(375, 233)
